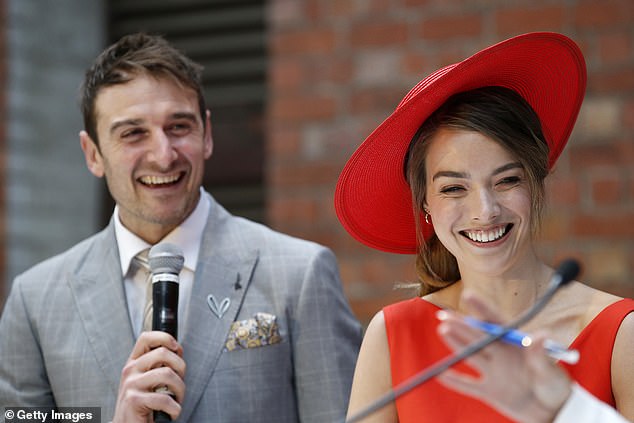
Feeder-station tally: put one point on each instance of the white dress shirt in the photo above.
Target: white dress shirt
(583, 407)
(187, 236)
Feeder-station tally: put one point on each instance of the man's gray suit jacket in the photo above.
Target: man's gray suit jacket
(65, 333)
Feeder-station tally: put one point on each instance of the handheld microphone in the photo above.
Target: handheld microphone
(166, 261)
(565, 273)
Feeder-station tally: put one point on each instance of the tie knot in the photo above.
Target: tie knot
(142, 259)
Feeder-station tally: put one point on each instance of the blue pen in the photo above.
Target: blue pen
(521, 339)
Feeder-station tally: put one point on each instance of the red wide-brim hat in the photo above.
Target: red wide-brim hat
(373, 199)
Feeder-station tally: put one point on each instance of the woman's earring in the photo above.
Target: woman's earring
(427, 216)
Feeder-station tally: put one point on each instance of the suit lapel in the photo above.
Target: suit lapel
(100, 299)
(223, 271)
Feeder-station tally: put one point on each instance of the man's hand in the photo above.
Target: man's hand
(156, 361)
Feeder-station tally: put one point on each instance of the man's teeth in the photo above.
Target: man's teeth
(159, 180)
(486, 236)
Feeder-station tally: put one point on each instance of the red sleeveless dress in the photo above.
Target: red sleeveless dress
(414, 345)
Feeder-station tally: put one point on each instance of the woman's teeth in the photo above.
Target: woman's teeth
(486, 236)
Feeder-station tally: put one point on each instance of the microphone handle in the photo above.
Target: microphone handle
(165, 318)
(161, 417)
(165, 306)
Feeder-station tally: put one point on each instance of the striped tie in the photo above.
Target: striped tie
(143, 266)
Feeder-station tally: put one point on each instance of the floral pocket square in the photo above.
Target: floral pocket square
(256, 332)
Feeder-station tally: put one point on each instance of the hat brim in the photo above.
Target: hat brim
(373, 200)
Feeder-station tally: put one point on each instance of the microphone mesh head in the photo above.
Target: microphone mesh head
(568, 270)
(166, 258)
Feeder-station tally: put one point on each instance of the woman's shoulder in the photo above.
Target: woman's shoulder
(390, 315)
(409, 309)
(575, 311)
(595, 302)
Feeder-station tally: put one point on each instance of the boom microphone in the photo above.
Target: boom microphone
(565, 273)
(166, 261)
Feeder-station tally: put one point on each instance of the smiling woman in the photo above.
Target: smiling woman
(483, 153)
(456, 176)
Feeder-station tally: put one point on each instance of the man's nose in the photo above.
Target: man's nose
(162, 150)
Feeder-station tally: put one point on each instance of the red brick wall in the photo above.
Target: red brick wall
(338, 68)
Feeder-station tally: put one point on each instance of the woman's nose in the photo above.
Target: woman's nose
(485, 206)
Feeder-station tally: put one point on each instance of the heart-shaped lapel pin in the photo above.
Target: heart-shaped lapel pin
(218, 309)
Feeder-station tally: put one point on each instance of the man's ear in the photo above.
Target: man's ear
(94, 161)
(208, 139)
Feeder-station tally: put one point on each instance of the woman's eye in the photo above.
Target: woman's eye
(510, 181)
(454, 189)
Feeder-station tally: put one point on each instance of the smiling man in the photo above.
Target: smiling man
(150, 144)
(265, 332)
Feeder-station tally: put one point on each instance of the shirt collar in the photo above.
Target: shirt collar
(188, 236)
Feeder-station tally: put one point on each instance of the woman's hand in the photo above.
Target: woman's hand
(521, 383)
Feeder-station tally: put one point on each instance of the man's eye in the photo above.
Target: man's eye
(180, 128)
(132, 133)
